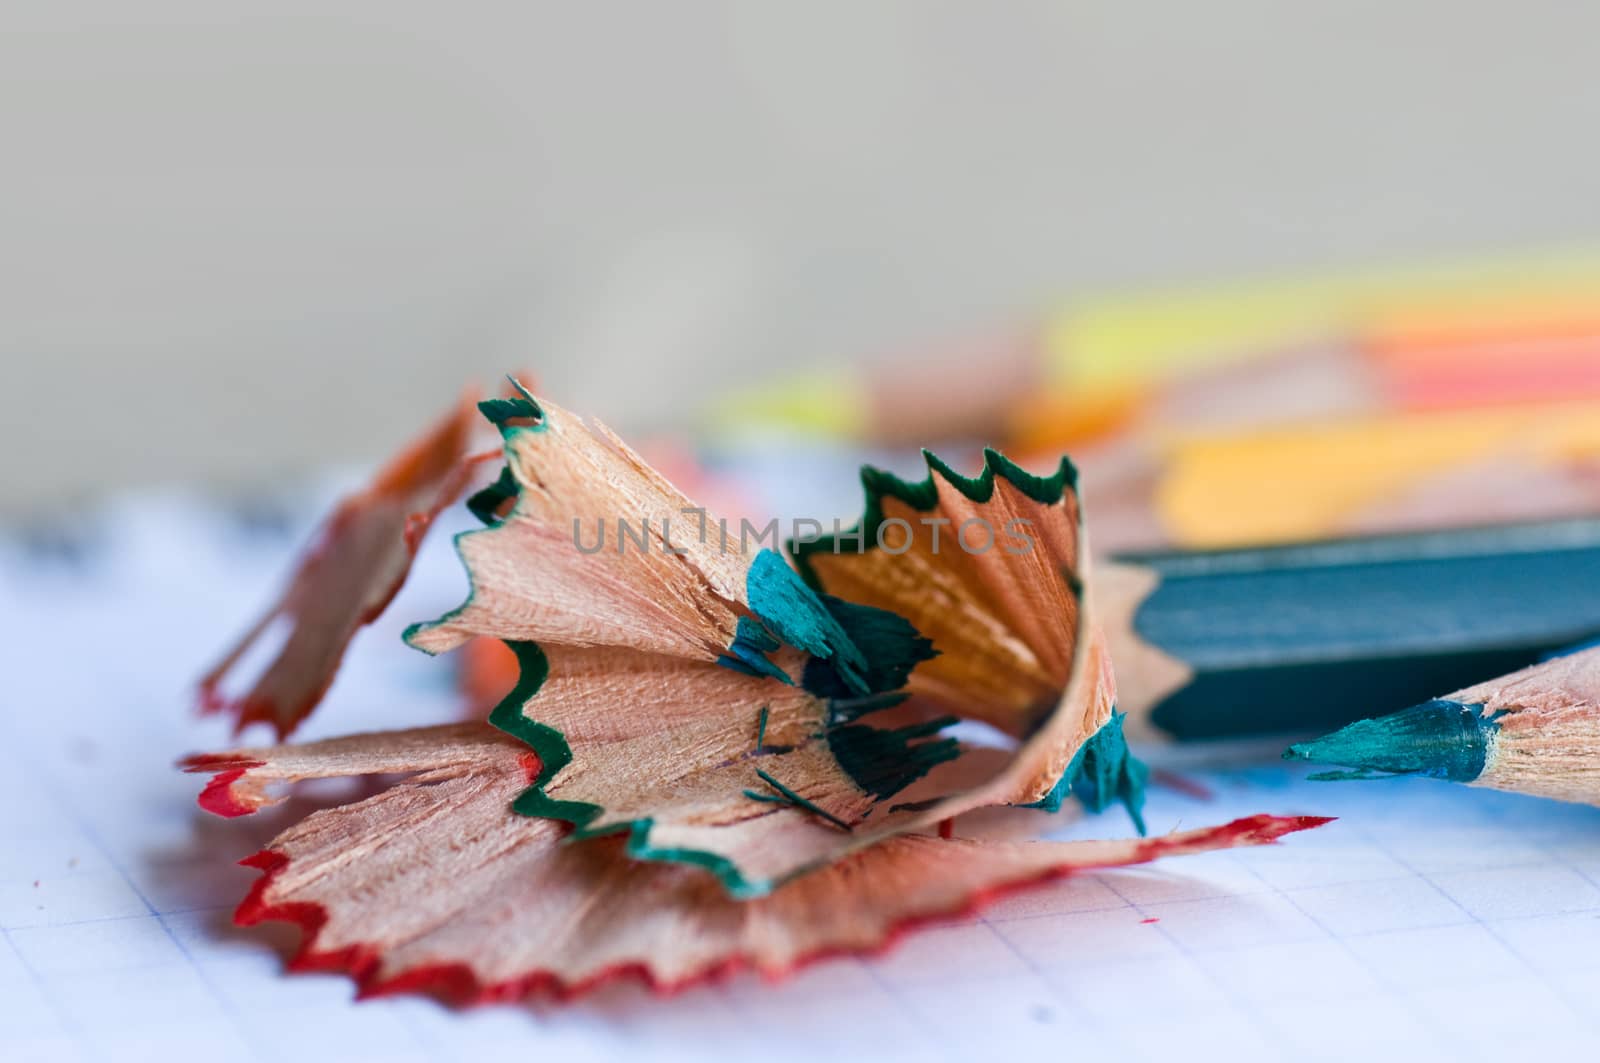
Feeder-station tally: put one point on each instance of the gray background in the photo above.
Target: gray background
(240, 239)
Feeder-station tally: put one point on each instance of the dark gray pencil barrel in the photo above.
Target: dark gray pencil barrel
(1306, 637)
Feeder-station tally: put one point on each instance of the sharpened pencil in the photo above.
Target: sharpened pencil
(1536, 731)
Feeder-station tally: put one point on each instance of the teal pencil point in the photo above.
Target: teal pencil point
(1439, 739)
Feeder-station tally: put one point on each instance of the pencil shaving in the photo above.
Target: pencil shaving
(435, 885)
(697, 768)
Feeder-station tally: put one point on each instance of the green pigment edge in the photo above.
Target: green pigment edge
(548, 743)
(554, 753)
(483, 503)
(923, 495)
(1101, 772)
(551, 746)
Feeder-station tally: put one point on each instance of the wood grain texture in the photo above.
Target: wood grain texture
(348, 575)
(435, 885)
(1547, 720)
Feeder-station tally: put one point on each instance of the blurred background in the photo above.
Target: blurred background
(1269, 272)
(242, 240)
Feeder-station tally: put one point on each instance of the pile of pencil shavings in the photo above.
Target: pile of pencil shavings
(710, 760)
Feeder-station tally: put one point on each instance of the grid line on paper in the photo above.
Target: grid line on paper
(1244, 940)
(1241, 1007)
(1033, 969)
(91, 833)
(1555, 992)
(62, 1017)
(1436, 1028)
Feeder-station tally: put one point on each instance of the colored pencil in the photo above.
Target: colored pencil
(1410, 336)
(1536, 731)
(1308, 637)
(1367, 474)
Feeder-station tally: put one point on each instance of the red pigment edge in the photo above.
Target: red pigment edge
(456, 984)
(218, 797)
(285, 720)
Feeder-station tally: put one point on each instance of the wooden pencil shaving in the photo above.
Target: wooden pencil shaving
(702, 765)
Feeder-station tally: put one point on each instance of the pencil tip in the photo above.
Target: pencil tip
(1439, 739)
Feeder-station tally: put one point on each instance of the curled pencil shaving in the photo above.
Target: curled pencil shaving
(650, 580)
(669, 752)
(347, 577)
(695, 635)
(993, 568)
(435, 885)
(692, 706)
(643, 668)
(689, 636)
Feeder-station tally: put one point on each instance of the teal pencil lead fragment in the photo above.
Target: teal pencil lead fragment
(1439, 739)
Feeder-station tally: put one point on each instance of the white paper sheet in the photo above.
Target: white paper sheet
(1430, 921)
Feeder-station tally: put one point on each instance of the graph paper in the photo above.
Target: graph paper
(1428, 921)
